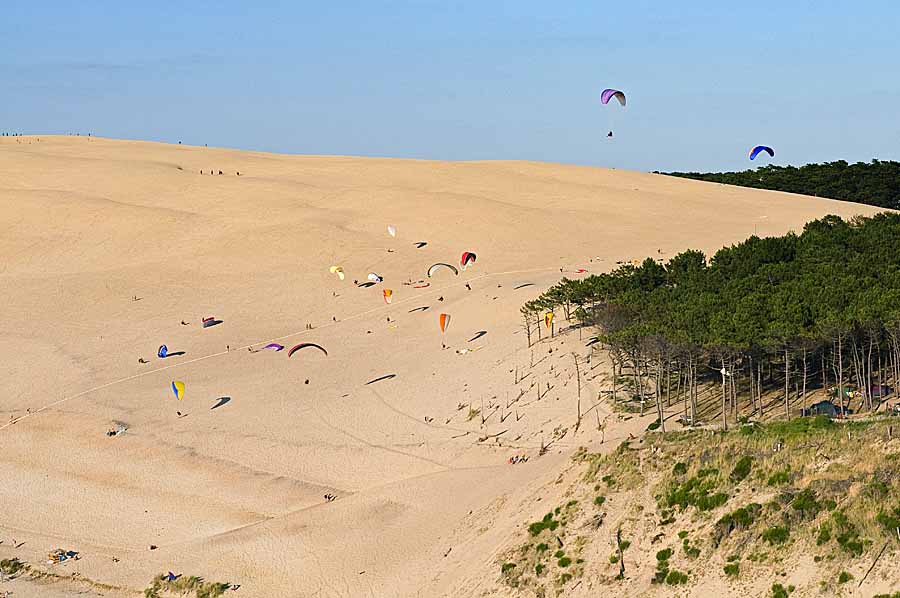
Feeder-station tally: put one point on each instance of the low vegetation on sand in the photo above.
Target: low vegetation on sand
(11, 567)
(162, 585)
(741, 506)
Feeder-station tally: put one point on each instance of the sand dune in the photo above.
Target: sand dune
(236, 494)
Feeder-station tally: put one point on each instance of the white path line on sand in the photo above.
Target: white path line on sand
(293, 334)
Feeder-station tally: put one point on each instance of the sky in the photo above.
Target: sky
(705, 80)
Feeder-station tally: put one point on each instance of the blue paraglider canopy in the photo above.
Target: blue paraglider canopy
(761, 148)
(163, 352)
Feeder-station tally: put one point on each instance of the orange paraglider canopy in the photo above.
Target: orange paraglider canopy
(444, 320)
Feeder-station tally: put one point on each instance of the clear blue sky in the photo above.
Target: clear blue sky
(518, 79)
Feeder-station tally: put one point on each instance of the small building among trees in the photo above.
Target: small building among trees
(826, 408)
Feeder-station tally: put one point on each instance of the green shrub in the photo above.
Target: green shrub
(779, 478)
(824, 534)
(548, 522)
(691, 551)
(851, 543)
(664, 555)
(732, 569)
(507, 567)
(741, 469)
(779, 591)
(599, 500)
(777, 534)
(848, 536)
(539, 569)
(890, 521)
(844, 577)
(708, 503)
(806, 505)
(541, 547)
(564, 562)
(680, 468)
(613, 559)
(675, 578)
(559, 554)
(11, 566)
(738, 520)
(877, 489)
(683, 534)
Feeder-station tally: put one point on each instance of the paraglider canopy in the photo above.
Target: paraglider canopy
(392, 230)
(275, 346)
(548, 319)
(444, 321)
(162, 352)
(178, 389)
(296, 348)
(337, 270)
(761, 148)
(607, 94)
(388, 293)
(374, 277)
(467, 258)
(434, 268)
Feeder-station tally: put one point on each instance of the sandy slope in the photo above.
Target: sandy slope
(236, 494)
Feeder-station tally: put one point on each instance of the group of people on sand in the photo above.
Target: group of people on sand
(517, 459)
(330, 497)
(220, 172)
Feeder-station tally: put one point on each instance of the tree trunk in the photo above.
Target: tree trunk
(638, 386)
(759, 389)
(528, 330)
(668, 375)
(805, 370)
(659, 405)
(615, 378)
(724, 407)
(787, 384)
(840, 374)
(869, 371)
(734, 395)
